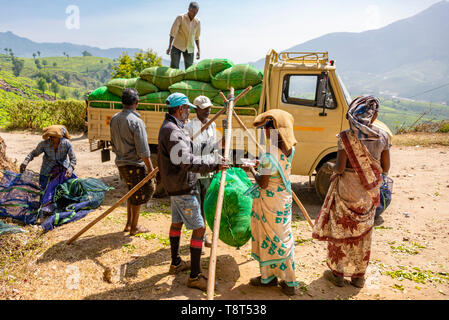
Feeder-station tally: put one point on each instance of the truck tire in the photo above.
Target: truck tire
(322, 180)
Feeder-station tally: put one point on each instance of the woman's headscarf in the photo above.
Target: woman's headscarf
(361, 110)
(283, 122)
(57, 131)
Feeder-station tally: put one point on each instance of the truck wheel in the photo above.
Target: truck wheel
(322, 180)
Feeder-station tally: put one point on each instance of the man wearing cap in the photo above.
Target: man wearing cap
(130, 145)
(178, 167)
(204, 145)
(185, 30)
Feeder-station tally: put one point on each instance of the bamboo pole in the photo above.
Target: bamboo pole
(219, 113)
(219, 207)
(295, 197)
(118, 203)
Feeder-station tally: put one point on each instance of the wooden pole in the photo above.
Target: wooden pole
(219, 207)
(219, 113)
(118, 203)
(295, 197)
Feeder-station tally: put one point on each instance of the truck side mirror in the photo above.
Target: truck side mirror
(321, 92)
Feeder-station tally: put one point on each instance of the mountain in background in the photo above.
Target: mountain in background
(404, 59)
(23, 47)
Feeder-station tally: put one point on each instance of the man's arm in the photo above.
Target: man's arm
(173, 32)
(141, 141)
(197, 40)
(180, 153)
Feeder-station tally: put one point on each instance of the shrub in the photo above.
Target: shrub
(29, 114)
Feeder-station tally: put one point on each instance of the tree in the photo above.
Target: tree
(39, 53)
(42, 85)
(63, 94)
(86, 53)
(131, 68)
(67, 78)
(17, 66)
(54, 64)
(45, 75)
(44, 63)
(34, 55)
(54, 87)
(77, 94)
(38, 64)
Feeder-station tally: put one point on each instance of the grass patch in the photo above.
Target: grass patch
(301, 242)
(417, 275)
(165, 241)
(411, 250)
(383, 228)
(129, 248)
(421, 139)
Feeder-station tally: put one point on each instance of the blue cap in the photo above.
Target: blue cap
(178, 99)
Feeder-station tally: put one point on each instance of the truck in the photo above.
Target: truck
(305, 84)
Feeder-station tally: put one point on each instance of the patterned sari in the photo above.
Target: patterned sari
(346, 218)
(272, 240)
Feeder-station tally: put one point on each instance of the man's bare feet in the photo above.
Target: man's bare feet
(127, 229)
(138, 230)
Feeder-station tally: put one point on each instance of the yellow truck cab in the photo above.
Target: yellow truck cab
(304, 84)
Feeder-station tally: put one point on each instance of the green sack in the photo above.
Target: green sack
(162, 77)
(143, 87)
(206, 69)
(235, 224)
(239, 76)
(252, 97)
(157, 97)
(193, 89)
(103, 94)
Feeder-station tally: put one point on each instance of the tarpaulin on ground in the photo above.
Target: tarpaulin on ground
(8, 228)
(20, 198)
(74, 199)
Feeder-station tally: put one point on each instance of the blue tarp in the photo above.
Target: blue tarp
(20, 198)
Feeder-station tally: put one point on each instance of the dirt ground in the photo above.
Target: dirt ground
(410, 250)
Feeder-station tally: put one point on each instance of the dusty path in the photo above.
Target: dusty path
(401, 242)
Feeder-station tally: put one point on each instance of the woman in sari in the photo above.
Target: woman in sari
(346, 218)
(272, 241)
(55, 169)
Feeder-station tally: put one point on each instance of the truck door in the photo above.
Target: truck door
(317, 116)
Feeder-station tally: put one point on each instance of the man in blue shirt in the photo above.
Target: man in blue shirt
(130, 145)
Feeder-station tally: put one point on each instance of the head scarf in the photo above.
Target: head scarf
(283, 122)
(57, 131)
(361, 110)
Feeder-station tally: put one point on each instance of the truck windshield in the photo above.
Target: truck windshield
(345, 91)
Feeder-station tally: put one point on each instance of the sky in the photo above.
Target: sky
(241, 30)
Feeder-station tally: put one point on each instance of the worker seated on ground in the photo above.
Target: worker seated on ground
(55, 168)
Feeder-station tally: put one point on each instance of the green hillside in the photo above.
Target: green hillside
(85, 73)
(397, 113)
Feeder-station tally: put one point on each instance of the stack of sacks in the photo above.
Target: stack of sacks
(208, 78)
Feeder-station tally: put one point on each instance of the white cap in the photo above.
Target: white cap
(202, 102)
